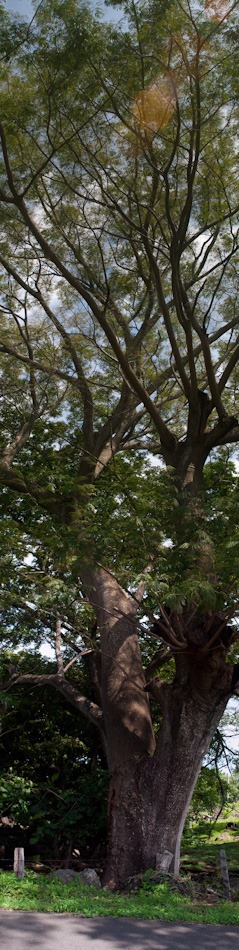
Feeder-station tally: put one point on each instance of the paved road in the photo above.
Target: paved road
(26, 931)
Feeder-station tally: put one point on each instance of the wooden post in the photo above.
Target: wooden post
(19, 862)
(225, 875)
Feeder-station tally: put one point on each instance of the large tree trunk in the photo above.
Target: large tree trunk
(149, 797)
(127, 719)
(151, 782)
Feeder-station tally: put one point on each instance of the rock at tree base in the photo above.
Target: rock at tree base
(164, 860)
(65, 875)
(89, 876)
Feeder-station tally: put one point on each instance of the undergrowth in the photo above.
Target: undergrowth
(159, 901)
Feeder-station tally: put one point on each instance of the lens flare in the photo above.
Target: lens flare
(153, 107)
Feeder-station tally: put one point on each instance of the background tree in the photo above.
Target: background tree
(119, 249)
(53, 777)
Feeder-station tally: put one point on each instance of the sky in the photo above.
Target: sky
(24, 8)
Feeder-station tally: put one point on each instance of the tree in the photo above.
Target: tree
(53, 782)
(119, 250)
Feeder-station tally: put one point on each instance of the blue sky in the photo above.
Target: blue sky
(24, 7)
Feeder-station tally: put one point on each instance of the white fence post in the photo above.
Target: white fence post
(225, 875)
(19, 862)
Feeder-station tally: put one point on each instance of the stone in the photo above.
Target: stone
(90, 876)
(65, 875)
(164, 860)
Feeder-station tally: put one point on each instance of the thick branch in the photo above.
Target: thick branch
(18, 443)
(59, 659)
(83, 705)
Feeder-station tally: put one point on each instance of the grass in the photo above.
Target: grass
(162, 901)
(205, 856)
(158, 901)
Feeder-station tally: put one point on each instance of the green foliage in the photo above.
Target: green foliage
(53, 781)
(13, 34)
(15, 795)
(76, 815)
(119, 519)
(208, 793)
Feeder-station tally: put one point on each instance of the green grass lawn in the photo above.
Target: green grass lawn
(205, 856)
(202, 845)
(158, 901)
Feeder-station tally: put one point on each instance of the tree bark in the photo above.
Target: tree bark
(149, 796)
(151, 783)
(126, 711)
